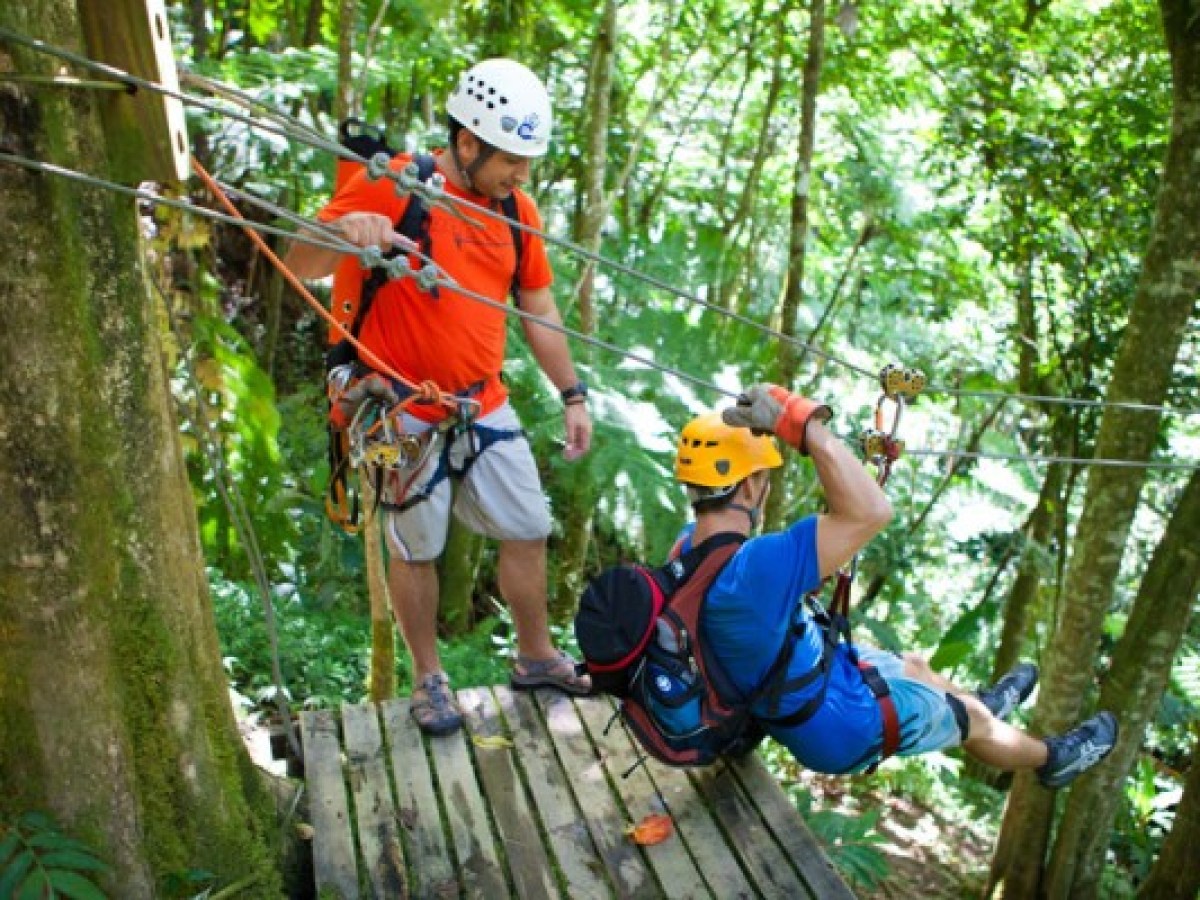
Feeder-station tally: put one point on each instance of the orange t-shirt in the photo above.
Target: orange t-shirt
(452, 339)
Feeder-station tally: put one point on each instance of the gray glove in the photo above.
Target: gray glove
(770, 409)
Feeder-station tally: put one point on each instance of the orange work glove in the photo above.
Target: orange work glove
(345, 404)
(768, 408)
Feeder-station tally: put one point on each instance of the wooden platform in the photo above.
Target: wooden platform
(541, 815)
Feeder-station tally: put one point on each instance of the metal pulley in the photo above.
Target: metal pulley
(376, 441)
(900, 385)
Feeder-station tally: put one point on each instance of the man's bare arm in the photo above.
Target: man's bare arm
(362, 229)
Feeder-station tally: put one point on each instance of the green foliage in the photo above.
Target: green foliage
(233, 419)
(850, 841)
(38, 860)
(968, 155)
(324, 651)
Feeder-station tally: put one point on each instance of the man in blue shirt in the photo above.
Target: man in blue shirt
(834, 724)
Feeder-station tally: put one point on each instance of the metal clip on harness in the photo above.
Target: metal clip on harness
(376, 441)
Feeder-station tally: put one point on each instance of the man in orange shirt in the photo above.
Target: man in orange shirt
(499, 120)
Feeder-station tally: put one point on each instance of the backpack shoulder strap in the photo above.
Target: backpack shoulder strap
(688, 596)
(414, 225)
(414, 221)
(509, 207)
(673, 574)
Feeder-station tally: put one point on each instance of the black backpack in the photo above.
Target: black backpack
(641, 636)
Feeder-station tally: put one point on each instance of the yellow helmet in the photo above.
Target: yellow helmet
(712, 454)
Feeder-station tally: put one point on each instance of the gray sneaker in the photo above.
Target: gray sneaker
(1010, 691)
(1078, 750)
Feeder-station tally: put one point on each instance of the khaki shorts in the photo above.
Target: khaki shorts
(500, 496)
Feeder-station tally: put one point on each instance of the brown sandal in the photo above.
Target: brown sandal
(561, 672)
(433, 707)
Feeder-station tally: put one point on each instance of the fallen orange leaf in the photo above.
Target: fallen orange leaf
(651, 830)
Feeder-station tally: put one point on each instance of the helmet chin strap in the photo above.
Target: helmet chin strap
(753, 513)
(469, 172)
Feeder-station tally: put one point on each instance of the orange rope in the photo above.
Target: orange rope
(426, 392)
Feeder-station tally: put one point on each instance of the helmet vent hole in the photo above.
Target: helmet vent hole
(710, 444)
(491, 105)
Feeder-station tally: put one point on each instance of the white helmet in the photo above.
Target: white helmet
(504, 104)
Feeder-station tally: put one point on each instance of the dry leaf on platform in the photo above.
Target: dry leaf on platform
(651, 830)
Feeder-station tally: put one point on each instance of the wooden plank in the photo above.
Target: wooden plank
(147, 135)
(378, 835)
(570, 841)
(720, 866)
(528, 862)
(433, 870)
(790, 830)
(605, 820)
(474, 845)
(762, 858)
(677, 872)
(333, 846)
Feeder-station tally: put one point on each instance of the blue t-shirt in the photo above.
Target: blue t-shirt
(750, 610)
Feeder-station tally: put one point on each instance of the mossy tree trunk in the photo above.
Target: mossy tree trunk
(1141, 666)
(1162, 306)
(116, 711)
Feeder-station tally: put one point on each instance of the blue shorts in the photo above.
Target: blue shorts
(927, 721)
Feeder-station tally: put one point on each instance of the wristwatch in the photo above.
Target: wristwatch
(578, 389)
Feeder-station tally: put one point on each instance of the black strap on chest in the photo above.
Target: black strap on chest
(414, 225)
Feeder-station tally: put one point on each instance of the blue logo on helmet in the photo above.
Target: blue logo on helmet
(527, 130)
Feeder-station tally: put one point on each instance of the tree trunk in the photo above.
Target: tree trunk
(312, 23)
(801, 179)
(1141, 667)
(1022, 597)
(383, 637)
(1162, 305)
(580, 487)
(1176, 873)
(589, 224)
(198, 20)
(343, 105)
(116, 709)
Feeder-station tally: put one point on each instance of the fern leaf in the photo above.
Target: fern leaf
(74, 885)
(14, 871)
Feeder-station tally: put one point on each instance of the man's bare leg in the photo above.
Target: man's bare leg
(521, 571)
(990, 740)
(414, 589)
